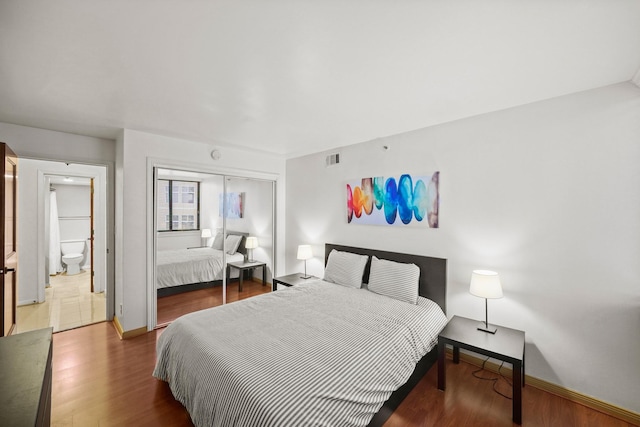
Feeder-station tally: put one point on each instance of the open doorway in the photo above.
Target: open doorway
(66, 286)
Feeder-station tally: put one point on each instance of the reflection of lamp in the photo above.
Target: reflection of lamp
(486, 284)
(305, 253)
(251, 244)
(206, 233)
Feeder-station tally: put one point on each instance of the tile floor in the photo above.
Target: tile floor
(68, 304)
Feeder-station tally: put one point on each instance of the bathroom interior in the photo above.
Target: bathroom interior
(70, 300)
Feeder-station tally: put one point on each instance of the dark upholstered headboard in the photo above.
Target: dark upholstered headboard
(433, 271)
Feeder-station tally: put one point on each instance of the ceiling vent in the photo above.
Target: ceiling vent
(333, 159)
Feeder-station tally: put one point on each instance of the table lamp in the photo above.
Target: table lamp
(486, 284)
(251, 244)
(305, 253)
(206, 233)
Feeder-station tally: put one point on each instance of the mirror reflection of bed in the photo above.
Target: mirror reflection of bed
(199, 269)
(191, 241)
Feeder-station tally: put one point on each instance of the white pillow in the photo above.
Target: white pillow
(218, 242)
(232, 242)
(345, 268)
(394, 279)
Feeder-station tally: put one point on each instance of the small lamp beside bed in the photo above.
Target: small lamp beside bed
(486, 284)
(206, 234)
(251, 243)
(305, 253)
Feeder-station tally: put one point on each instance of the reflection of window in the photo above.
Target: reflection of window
(178, 207)
(188, 221)
(188, 194)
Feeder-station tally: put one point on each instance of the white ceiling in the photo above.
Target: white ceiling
(294, 77)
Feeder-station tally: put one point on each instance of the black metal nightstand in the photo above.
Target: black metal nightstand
(242, 266)
(290, 280)
(506, 344)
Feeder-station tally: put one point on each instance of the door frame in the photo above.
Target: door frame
(100, 226)
(92, 236)
(9, 268)
(153, 164)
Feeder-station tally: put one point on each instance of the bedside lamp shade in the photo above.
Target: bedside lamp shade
(486, 284)
(251, 244)
(305, 253)
(206, 233)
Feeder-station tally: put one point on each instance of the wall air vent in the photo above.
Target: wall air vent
(333, 159)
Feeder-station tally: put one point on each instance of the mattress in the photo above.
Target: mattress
(319, 354)
(185, 266)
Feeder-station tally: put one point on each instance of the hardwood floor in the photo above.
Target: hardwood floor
(99, 380)
(469, 401)
(174, 306)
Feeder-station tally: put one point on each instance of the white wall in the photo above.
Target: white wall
(547, 195)
(134, 237)
(51, 145)
(210, 190)
(178, 240)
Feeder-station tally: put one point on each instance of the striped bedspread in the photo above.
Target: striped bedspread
(184, 266)
(315, 355)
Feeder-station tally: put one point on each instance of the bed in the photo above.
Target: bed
(317, 354)
(182, 270)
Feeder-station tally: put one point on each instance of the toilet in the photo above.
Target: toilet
(72, 255)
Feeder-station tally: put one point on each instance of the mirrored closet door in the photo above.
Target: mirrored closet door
(214, 240)
(249, 211)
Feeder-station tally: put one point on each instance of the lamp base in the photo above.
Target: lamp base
(306, 277)
(487, 328)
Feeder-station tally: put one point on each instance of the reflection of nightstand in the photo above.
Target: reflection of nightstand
(506, 344)
(243, 266)
(290, 280)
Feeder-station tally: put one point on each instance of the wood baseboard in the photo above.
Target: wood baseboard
(125, 335)
(571, 395)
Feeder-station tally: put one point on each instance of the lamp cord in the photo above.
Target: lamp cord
(494, 380)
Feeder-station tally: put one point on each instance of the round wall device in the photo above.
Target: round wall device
(215, 154)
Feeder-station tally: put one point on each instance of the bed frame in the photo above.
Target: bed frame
(432, 285)
(173, 290)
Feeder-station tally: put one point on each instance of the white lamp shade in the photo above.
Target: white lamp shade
(485, 284)
(251, 243)
(206, 233)
(304, 252)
